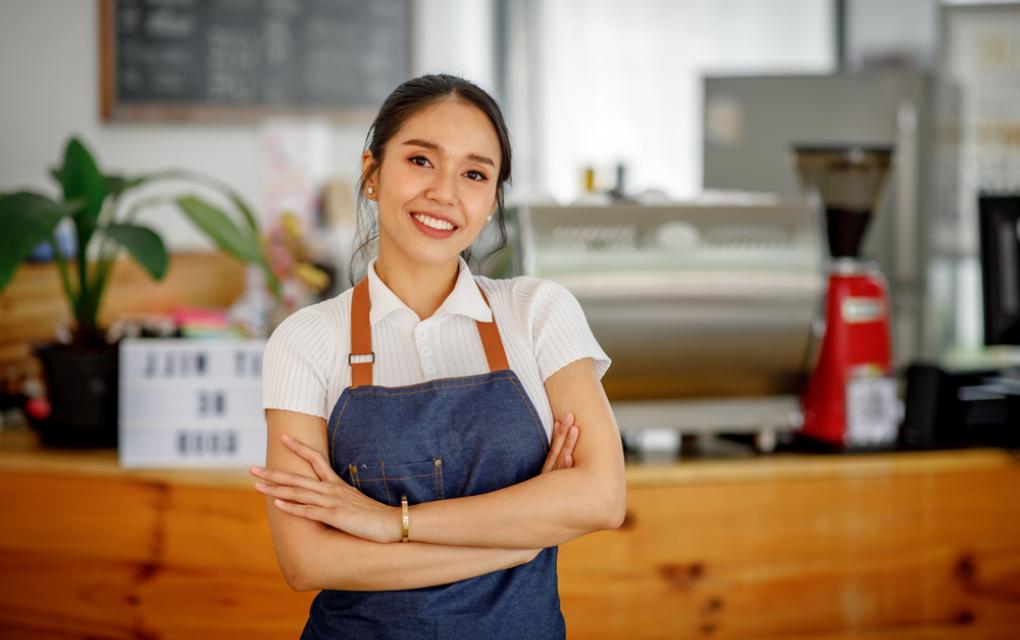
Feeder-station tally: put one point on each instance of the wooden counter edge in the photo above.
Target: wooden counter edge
(20, 452)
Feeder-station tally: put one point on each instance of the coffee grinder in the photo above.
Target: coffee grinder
(850, 398)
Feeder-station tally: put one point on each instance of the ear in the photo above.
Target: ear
(367, 164)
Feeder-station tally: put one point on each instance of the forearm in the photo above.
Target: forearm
(336, 560)
(543, 511)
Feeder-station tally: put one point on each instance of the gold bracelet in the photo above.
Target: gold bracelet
(406, 518)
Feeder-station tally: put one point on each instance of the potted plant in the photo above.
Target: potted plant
(81, 376)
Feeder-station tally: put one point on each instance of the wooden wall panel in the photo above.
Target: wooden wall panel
(887, 547)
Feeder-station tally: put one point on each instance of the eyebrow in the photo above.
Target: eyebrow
(435, 147)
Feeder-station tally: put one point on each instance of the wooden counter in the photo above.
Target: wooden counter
(910, 545)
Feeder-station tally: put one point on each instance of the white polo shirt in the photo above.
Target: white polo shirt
(542, 325)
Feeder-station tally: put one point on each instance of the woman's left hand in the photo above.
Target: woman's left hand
(329, 499)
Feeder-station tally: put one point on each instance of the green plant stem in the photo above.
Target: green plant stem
(65, 277)
(106, 259)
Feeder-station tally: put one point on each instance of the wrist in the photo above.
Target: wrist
(397, 528)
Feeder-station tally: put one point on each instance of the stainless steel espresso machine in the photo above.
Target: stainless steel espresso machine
(706, 308)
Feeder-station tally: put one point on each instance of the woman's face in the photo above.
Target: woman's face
(440, 167)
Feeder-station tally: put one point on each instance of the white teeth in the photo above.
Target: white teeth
(432, 222)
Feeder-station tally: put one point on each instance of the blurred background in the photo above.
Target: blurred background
(793, 224)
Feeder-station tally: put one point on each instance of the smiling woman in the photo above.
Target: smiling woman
(418, 406)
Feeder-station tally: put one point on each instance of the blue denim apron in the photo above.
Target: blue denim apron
(443, 438)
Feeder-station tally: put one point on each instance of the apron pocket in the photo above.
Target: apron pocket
(387, 480)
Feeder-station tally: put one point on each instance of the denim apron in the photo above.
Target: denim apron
(439, 439)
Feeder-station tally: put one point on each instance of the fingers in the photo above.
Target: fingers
(286, 478)
(304, 511)
(315, 457)
(561, 433)
(566, 459)
(294, 494)
(568, 427)
(273, 477)
(555, 446)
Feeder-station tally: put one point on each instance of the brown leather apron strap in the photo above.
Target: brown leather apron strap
(493, 344)
(362, 357)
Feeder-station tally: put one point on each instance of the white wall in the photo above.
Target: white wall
(49, 52)
(621, 81)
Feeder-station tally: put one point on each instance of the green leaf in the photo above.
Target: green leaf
(245, 211)
(27, 219)
(144, 245)
(218, 226)
(80, 178)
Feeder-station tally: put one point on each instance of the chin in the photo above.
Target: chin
(434, 255)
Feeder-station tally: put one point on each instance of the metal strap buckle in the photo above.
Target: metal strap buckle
(371, 355)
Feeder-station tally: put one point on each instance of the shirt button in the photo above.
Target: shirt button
(423, 334)
(429, 369)
(426, 351)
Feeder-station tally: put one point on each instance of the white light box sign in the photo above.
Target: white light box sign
(191, 403)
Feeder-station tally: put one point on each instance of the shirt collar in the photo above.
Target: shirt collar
(465, 299)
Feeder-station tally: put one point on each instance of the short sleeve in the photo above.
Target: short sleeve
(557, 326)
(293, 373)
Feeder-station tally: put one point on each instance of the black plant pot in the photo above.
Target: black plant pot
(82, 387)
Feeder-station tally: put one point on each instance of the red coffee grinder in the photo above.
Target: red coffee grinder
(850, 399)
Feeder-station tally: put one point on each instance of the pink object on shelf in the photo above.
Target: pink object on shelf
(201, 316)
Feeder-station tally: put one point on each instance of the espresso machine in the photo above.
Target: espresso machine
(850, 399)
(705, 306)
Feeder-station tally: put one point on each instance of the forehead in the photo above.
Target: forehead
(458, 127)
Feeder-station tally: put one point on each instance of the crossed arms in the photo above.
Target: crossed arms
(458, 538)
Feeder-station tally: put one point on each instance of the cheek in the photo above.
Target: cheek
(484, 196)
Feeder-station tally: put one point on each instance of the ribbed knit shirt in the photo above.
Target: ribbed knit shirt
(541, 323)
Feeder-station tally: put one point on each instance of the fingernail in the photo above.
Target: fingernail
(286, 438)
(256, 468)
(567, 460)
(260, 486)
(278, 502)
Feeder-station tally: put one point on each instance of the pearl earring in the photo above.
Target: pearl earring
(370, 190)
(489, 219)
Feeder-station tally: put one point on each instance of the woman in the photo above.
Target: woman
(414, 471)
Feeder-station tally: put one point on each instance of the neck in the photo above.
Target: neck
(422, 287)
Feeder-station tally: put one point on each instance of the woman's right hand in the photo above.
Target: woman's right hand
(561, 448)
(560, 456)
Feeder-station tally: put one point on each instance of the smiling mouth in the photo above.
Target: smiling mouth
(430, 223)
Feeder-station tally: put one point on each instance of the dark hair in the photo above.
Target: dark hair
(409, 98)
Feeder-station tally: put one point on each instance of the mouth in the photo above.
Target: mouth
(433, 225)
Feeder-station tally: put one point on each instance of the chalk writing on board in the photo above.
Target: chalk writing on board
(171, 56)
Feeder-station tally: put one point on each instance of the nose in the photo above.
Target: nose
(443, 189)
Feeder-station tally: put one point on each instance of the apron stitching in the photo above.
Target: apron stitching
(531, 413)
(452, 386)
(382, 467)
(420, 475)
(332, 437)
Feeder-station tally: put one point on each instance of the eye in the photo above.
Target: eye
(481, 176)
(413, 159)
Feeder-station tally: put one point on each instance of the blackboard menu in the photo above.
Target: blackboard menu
(237, 58)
